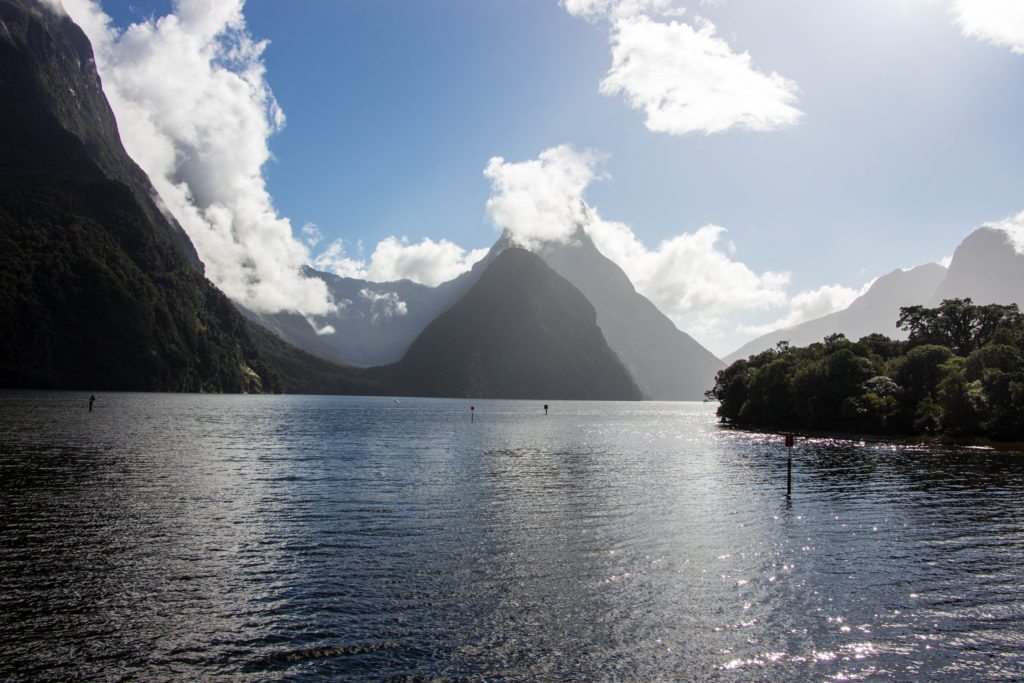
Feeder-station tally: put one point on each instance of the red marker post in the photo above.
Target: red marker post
(789, 465)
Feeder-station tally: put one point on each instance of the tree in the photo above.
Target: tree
(962, 402)
(958, 324)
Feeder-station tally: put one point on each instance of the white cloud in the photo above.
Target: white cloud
(541, 200)
(311, 235)
(1014, 229)
(333, 259)
(693, 277)
(809, 305)
(384, 304)
(687, 80)
(684, 77)
(1000, 22)
(689, 274)
(326, 329)
(426, 262)
(195, 112)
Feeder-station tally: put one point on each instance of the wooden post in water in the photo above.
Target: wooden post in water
(472, 412)
(545, 408)
(789, 465)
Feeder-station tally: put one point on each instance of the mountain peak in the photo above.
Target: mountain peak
(987, 268)
(521, 331)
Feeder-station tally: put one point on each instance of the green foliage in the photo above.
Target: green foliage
(93, 298)
(959, 324)
(961, 372)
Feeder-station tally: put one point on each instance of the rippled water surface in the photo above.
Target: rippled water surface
(256, 537)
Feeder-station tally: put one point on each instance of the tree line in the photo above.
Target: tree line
(959, 373)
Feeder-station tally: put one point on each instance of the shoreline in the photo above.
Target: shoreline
(966, 442)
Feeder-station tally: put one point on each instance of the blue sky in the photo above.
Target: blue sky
(910, 134)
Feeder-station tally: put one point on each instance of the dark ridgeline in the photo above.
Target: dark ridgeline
(960, 373)
(522, 331)
(97, 288)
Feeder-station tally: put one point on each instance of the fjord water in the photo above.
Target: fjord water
(268, 537)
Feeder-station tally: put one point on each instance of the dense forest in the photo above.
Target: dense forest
(959, 373)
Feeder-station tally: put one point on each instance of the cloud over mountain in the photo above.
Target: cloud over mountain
(541, 200)
(395, 258)
(1014, 228)
(809, 305)
(683, 76)
(692, 277)
(195, 112)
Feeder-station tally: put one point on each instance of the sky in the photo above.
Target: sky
(749, 164)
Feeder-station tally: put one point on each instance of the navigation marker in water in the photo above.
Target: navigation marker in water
(789, 465)
(472, 410)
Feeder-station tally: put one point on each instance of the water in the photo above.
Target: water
(266, 538)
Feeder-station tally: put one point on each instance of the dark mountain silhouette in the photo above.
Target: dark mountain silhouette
(98, 289)
(877, 310)
(521, 331)
(666, 363)
(48, 63)
(986, 268)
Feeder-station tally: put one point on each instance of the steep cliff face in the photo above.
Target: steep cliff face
(522, 331)
(97, 288)
(49, 63)
(666, 363)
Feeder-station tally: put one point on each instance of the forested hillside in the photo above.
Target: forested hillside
(959, 373)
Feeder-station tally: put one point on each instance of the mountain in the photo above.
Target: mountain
(521, 331)
(986, 268)
(48, 61)
(303, 373)
(666, 363)
(377, 321)
(877, 310)
(98, 289)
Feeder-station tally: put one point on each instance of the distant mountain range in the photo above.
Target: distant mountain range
(378, 322)
(985, 267)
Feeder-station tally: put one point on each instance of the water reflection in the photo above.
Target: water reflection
(172, 536)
